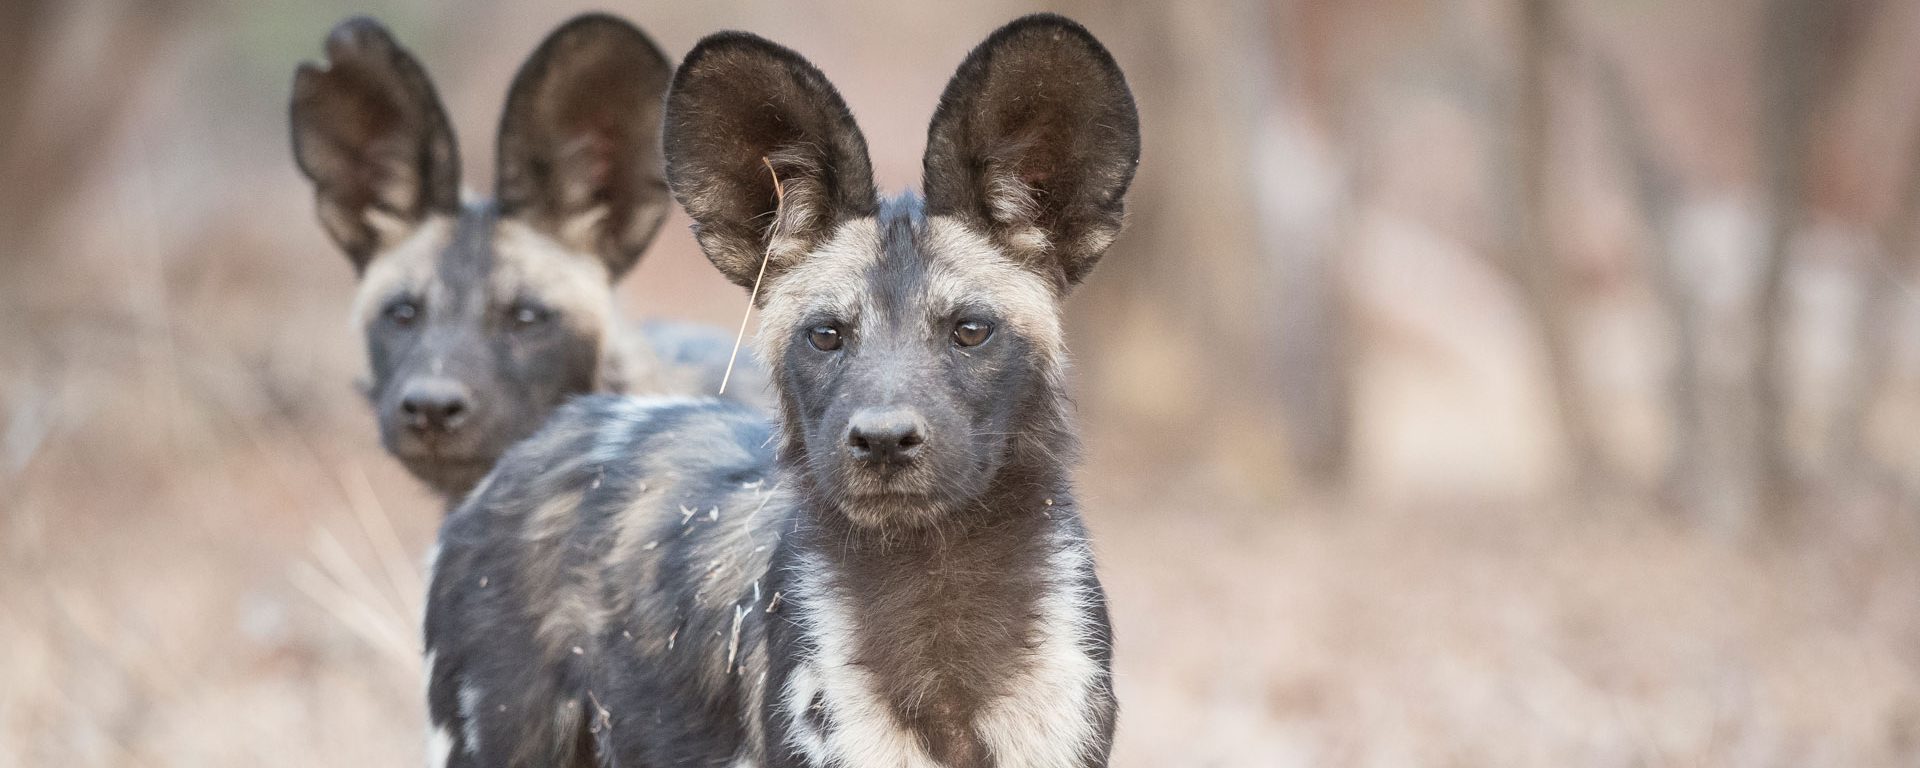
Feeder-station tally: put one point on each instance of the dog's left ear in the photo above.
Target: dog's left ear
(1035, 141)
(579, 154)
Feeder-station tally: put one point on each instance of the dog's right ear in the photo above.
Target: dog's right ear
(1035, 143)
(743, 110)
(370, 133)
(580, 140)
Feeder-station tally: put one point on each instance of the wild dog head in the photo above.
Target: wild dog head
(482, 316)
(915, 344)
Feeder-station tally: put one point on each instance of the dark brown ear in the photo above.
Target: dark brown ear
(743, 109)
(1035, 142)
(371, 135)
(579, 153)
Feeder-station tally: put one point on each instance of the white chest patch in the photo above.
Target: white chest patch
(1048, 720)
(863, 730)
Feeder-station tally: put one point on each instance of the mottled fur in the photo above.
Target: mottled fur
(481, 318)
(666, 582)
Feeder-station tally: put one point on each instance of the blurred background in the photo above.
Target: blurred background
(1495, 382)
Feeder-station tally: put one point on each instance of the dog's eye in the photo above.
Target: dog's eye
(972, 333)
(825, 338)
(527, 315)
(402, 311)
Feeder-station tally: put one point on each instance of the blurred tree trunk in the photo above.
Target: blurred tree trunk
(1786, 82)
(1805, 44)
(19, 20)
(1313, 364)
(1306, 221)
(1874, 334)
(1202, 389)
(1545, 293)
(51, 133)
(22, 22)
(1656, 192)
(1882, 278)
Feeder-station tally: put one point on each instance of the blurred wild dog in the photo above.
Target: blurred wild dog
(894, 573)
(482, 316)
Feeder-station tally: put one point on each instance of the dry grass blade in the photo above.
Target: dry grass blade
(345, 589)
(344, 569)
(779, 207)
(377, 526)
(366, 620)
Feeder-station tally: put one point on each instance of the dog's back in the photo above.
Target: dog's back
(631, 528)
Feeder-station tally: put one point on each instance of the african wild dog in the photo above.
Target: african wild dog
(482, 316)
(895, 572)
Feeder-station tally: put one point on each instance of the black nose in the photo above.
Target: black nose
(435, 405)
(885, 436)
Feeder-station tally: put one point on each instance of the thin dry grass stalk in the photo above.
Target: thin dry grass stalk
(779, 207)
(384, 618)
(377, 526)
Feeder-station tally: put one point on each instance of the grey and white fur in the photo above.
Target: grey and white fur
(481, 316)
(892, 573)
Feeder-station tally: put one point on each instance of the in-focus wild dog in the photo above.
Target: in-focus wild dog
(482, 316)
(893, 574)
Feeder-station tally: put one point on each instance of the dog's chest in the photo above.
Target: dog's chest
(928, 696)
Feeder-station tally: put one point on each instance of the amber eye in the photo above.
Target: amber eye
(972, 333)
(825, 338)
(402, 311)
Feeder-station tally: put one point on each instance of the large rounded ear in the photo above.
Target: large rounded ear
(1035, 141)
(370, 133)
(579, 154)
(742, 112)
